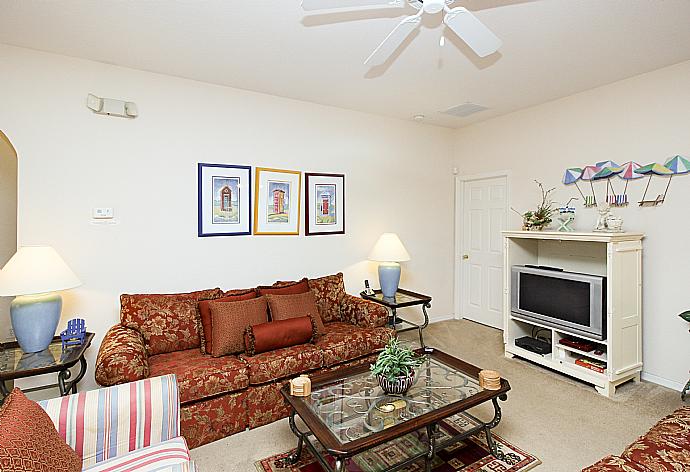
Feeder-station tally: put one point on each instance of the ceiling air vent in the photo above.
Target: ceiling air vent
(465, 110)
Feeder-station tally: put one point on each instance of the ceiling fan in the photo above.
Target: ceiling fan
(463, 23)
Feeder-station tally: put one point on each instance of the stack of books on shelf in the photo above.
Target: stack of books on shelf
(591, 364)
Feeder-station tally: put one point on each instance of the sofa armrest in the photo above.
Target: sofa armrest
(363, 313)
(110, 422)
(122, 357)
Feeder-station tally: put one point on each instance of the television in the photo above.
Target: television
(571, 302)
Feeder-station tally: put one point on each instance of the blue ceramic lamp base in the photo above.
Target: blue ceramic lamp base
(35, 319)
(389, 278)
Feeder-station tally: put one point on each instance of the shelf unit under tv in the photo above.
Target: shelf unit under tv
(618, 257)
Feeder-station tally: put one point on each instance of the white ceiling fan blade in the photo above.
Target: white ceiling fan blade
(477, 36)
(394, 40)
(311, 5)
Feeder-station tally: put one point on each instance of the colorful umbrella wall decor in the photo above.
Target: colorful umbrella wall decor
(588, 173)
(607, 173)
(678, 165)
(604, 164)
(628, 173)
(652, 170)
(571, 176)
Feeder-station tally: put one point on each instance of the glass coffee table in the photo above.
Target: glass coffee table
(347, 413)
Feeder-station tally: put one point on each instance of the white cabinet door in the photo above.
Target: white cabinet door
(484, 210)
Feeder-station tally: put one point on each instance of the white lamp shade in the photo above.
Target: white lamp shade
(389, 248)
(36, 269)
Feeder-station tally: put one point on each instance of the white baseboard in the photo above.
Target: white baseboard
(672, 384)
(437, 318)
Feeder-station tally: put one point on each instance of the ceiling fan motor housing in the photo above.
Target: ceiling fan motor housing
(433, 6)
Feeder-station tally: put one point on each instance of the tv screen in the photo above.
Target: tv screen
(563, 299)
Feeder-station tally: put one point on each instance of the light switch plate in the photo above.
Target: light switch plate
(103, 214)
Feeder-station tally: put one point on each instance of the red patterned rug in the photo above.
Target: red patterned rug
(471, 455)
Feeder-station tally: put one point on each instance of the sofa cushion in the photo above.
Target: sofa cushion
(283, 307)
(274, 335)
(284, 288)
(344, 342)
(167, 322)
(230, 320)
(167, 454)
(281, 363)
(205, 314)
(666, 447)
(200, 376)
(330, 293)
(29, 441)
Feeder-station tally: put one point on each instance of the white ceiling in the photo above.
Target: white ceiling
(552, 48)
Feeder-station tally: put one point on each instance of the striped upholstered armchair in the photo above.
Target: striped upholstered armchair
(133, 427)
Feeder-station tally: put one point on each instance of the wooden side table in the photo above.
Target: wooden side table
(403, 298)
(16, 364)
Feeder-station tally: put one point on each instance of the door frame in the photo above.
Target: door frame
(460, 181)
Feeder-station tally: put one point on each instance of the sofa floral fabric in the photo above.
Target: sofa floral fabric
(201, 376)
(615, 464)
(167, 322)
(366, 360)
(281, 363)
(122, 357)
(265, 404)
(344, 342)
(363, 313)
(213, 419)
(665, 448)
(329, 292)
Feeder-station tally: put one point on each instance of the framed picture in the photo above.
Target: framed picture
(277, 205)
(224, 200)
(325, 204)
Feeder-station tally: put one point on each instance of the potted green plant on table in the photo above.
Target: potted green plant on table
(395, 368)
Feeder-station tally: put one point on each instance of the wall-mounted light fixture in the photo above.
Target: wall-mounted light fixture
(112, 107)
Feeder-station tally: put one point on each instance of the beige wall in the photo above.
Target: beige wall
(399, 178)
(8, 221)
(645, 119)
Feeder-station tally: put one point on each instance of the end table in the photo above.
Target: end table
(16, 364)
(403, 298)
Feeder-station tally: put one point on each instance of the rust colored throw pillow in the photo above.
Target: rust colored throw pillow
(29, 441)
(229, 321)
(285, 288)
(283, 307)
(167, 322)
(205, 314)
(330, 293)
(266, 337)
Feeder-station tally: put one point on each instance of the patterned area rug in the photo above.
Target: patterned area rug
(471, 455)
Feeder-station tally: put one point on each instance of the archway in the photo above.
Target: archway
(8, 222)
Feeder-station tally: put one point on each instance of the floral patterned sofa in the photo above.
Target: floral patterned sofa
(220, 396)
(665, 448)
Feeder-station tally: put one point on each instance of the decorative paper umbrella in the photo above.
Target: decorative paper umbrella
(628, 173)
(571, 176)
(654, 169)
(607, 173)
(678, 165)
(604, 164)
(588, 173)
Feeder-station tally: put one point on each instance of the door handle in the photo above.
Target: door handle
(465, 256)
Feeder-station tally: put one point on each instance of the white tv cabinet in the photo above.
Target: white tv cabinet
(618, 256)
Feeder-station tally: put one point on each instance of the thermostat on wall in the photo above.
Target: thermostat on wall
(102, 214)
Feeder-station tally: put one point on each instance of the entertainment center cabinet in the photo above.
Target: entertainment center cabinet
(618, 257)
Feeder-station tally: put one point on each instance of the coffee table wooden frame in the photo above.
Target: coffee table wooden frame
(429, 421)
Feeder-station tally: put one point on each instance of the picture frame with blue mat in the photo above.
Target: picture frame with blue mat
(224, 200)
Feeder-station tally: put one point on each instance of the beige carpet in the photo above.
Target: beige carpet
(563, 422)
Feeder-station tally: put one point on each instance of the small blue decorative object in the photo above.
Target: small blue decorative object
(74, 334)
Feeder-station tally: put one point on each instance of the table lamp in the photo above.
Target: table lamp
(34, 275)
(389, 251)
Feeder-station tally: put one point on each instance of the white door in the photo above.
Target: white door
(484, 212)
